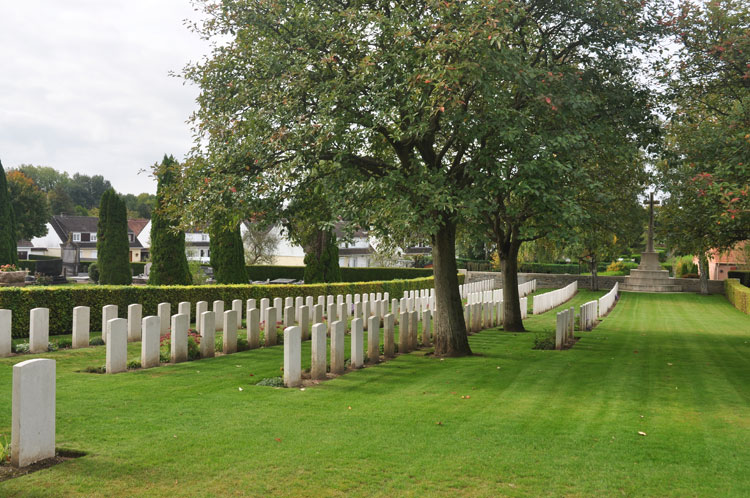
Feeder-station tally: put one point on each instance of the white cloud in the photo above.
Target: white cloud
(85, 85)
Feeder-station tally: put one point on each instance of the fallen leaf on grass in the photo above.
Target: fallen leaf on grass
(252, 375)
(240, 389)
(278, 439)
(350, 407)
(641, 433)
(438, 423)
(669, 364)
(636, 352)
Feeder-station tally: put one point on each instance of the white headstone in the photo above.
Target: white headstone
(253, 328)
(208, 334)
(151, 335)
(33, 412)
(164, 311)
(265, 303)
(317, 314)
(357, 356)
(109, 312)
(304, 322)
(230, 332)
(270, 327)
(39, 330)
(426, 328)
(237, 308)
(200, 308)
(250, 304)
(413, 329)
(178, 340)
(403, 332)
(117, 345)
(388, 344)
(292, 356)
(373, 339)
(318, 364)
(81, 326)
(183, 308)
(6, 334)
(288, 316)
(135, 319)
(219, 312)
(337, 347)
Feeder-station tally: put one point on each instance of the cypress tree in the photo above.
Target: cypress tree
(322, 259)
(169, 265)
(8, 248)
(113, 246)
(227, 254)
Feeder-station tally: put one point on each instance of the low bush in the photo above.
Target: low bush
(742, 275)
(269, 272)
(94, 272)
(271, 382)
(96, 341)
(737, 294)
(96, 370)
(64, 342)
(616, 266)
(544, 340)
(62, 300)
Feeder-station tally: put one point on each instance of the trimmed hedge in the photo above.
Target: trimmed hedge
(268, 272)
(62, 299)
(83, 266)
(48, 266)
(742, 275)
(737, 294)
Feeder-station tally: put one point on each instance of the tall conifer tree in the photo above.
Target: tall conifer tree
(169, 262)
(227, 254)
(113, 246)
(8, 248)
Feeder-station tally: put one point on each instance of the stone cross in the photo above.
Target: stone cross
(650, 203)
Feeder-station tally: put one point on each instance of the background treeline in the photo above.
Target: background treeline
(42, 191)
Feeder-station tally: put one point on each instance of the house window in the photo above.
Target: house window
(93, 237)
(130, 236)
(85, 237)
(76, 237)
(204, 236)
(201, 253)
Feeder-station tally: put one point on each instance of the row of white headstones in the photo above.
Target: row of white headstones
(33, 402)
(589, 313)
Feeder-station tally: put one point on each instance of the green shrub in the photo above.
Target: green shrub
(134, 364)
(21, 348)
(544, 340)
(96, 341)
(94, 272)
(137, 267)
(62, 300)
(96, 370)
(737, 294)
(271, 382)
(742, 275)
(553, 268)
(64, 343)
(268, 272)
(616, 266)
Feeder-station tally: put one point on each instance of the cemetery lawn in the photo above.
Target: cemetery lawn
(510, 421)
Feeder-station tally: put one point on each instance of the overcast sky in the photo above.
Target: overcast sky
(84, 85)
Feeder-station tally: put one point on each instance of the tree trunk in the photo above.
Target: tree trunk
(511, 302)
(450, 329)
(594, 275)
(703, 270)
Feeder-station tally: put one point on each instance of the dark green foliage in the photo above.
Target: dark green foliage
(326, 267)
(227, 254)
(544, 340)
(112, 243)
(134, 364)
(62, 300)
(96, 341)
(170, 266)
(271, 382)
(8, 249)
(268, 272)
(94, 272)
(742, 276)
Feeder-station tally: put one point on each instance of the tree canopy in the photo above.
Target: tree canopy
(29, 204)
(8, 247)
(112, 244)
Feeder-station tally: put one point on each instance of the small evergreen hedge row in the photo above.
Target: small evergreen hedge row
(268, 272)
(742, 275)
(83, 266)
(737, 294)
(62, 299)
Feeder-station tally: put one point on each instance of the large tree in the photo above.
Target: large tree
(29, 204)
(8, 248)
(112, 244)
(706, 169)
(424, 109)
(168, 258)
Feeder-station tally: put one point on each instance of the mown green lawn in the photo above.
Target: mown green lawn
(510, 421)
